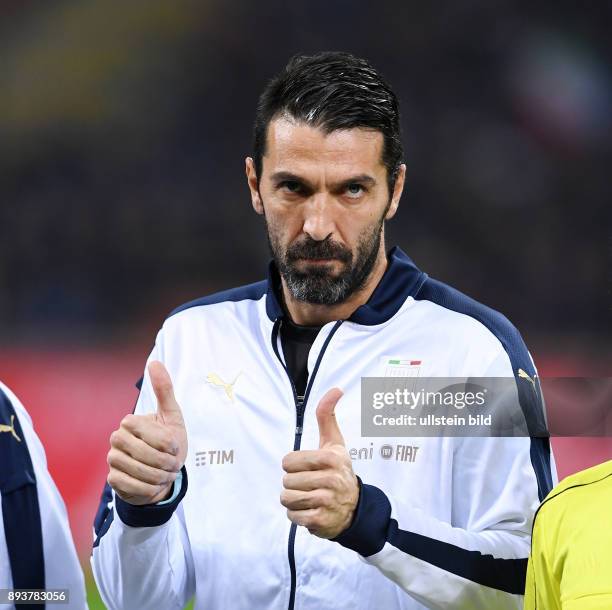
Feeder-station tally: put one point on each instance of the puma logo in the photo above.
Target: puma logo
(11, 428)
(214, 379)
(524, 375)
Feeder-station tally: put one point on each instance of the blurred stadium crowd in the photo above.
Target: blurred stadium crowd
(124, 127)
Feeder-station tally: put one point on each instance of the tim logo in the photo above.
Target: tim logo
(401, 453)
(214, 457)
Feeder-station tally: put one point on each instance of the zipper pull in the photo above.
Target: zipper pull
(300, 415)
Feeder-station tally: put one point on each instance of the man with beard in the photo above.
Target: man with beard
(254, 393)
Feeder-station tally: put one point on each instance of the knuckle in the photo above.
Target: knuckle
(128, 420)
(172, 464)
(147, 475)
(327, 499)
(310, 521)
(159, 460)
(115, 438)
(283, 499)
(162, 478)
(164, 462)
(111, 457)
(141, 471)
(111, 479)
(318, 498)
(317, 519)
(325, 481)
(168, 441)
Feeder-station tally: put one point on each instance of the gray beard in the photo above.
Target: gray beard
(318, 286)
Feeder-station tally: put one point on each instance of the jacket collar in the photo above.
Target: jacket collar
(401, 279)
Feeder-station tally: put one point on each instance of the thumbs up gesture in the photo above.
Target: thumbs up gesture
(320, 489)
(148, 451)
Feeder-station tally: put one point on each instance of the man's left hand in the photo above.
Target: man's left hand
(320, 488)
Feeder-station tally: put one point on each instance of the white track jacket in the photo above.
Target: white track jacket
(36, 547)
(440, 523)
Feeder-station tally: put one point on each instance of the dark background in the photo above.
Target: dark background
(124, 127)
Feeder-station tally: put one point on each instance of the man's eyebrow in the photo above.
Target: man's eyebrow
(283, 175)
(289, 176)
(362, 178)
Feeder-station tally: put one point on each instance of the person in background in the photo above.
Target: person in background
(570, 567)
(36, 546)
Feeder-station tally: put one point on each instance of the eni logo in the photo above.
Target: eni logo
(11, 428)
(524, 375)
(214, 379)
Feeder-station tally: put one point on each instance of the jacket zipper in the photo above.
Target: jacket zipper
(300, 408)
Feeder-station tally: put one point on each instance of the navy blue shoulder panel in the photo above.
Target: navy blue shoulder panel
(20, 507)
(252, 292)
(451, 298)
(530, 396)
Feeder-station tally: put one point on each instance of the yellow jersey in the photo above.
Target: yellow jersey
(570, 567)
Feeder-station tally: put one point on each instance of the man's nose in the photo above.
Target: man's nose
(319, 217)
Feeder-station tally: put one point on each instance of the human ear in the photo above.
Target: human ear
(397, 191)
(253, 183)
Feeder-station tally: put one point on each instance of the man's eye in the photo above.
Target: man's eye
(355, 190)
(291, 185)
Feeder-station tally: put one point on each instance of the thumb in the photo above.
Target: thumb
(329, 432)
(168, 410)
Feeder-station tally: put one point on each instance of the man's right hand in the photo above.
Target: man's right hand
(148, 451)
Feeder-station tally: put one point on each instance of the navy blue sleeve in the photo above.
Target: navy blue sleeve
(150, 515)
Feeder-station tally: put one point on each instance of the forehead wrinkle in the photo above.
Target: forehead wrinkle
(305, 150)
(301, 136)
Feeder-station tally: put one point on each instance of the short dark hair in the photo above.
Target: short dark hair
(332, 90)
